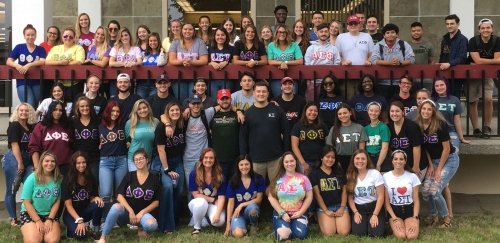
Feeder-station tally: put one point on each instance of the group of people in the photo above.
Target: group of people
(127, 159)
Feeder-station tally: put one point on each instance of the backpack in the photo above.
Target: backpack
(204, 120)
(401, 47)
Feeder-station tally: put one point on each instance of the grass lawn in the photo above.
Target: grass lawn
(466, 228)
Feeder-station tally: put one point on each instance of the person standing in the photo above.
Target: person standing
(243, 99)
(317, 19)
(423, 50)
(265, 134)
(162, 97)
(405, 94)
(280, 14)
(484, 49)
(125, 99)
(291, 103)
(372, 29)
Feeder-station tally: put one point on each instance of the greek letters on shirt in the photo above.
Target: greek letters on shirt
(347, 137)
(220, 57)
(373, 140)
(175, 140)
(290, 115)
(284, 57)
(312, 134)
(399, 197)
(112, 136)
(245, 197)
(125, 58)
(446, 107)
(400, 143)
(249, 55)
(47, 192)
(323, 55)
(329, 184)
(329, 105)
(365, 191)
(138, 193)
(86, 134)
(26, 137)
(84, 42)
(431, 138)
(82, 195)
(60, 57)
(57, 136)
(28, 58)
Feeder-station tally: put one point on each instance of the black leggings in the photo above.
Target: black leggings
(364, 228)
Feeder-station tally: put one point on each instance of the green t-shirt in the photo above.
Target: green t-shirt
(376, 136)
(42, 196)
(225, 136)
(292, 52)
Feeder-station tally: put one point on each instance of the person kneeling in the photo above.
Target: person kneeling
(137, 196)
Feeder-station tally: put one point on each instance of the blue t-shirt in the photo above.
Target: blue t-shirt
(42, 196)
(150, 60)
(112, 141)
(242, 194)
(359, 104)
(24, 56)
(224, 55)
(144, 137)
(207, 190)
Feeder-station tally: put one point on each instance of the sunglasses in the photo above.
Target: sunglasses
(113, 29)
(68, 37)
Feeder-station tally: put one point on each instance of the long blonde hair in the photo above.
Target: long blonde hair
(118, 43)
(31, 114)
(134, 118)
(436, 119)
(78, 30)
(288, 39)
(56, 175)
(101, 48)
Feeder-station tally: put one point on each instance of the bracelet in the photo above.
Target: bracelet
(355, 212)
(51, 219)
(78, 220)
(281, 212)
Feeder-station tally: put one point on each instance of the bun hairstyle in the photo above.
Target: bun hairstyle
(28, 27)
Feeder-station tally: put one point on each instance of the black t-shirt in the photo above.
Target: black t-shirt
(224, 55)
(360, 102)
(125, 106)
(311, 140)
(409, 137)
(99, 103)
(158, 104)
(377, 37)
(79, 195)
(17, 133)
(254, 53)
(327, 106)
(86, 138)
(433, 143)
(174, 146)
(139, 196)
(113, 141)
(329, 185)
(225, 135)
(486, 50)
(409, 104)
(293, 108)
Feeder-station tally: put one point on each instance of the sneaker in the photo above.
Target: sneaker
(478, 133)
(486, 132)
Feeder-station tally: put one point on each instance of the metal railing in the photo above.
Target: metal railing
(232, 73)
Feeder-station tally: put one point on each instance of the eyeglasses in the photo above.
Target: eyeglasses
(52, 33)
(68, 37)
(113, 29)
(406, 83)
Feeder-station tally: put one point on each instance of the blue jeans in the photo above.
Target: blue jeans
(10, 169)
(112, 170)
(183, 88)
(455, 141)
(118, 214)
(296, 228)
(113, 90)
(188, 167)
(91, 212)
(32, 95)
(169, 197)
(432, 189)
(215, 85)
(250, 216)
(145, 88)
(276, 87)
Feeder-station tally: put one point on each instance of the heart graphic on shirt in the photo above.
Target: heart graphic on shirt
(401, 190)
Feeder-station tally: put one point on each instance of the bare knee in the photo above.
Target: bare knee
(254, 213)
(283, 233)
(118, 206)
(150, 221)
(239, 232)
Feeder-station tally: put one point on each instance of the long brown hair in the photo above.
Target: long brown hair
(271, 189)
(436, 119)
(216, 170)
(352, 171)
(337, 124)
(56, 174)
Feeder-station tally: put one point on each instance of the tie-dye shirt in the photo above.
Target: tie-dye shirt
(291, 191)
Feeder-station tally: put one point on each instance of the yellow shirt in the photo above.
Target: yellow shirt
(74, 53)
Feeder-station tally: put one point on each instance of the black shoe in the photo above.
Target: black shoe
(478, 133)
(486, 132)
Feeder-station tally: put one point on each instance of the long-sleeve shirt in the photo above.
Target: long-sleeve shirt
(265, 134)
(454, 50)
(56, 139)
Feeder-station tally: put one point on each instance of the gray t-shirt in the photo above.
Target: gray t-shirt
(348, 139)
(241, 101)
(423, 51)
(196, 136)
(198, 49)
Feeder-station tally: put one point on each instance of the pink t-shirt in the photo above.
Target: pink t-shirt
(291, 191)
(86, 40)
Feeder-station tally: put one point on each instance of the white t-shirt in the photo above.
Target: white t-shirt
(354, 48)
(241, 101)
(365, 190)
(400, 188)
(132, 55)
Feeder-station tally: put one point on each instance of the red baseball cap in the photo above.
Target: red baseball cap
(353, 19)
(223, 93)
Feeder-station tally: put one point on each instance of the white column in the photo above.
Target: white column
(37, 13)
(93, 9)
(465, 11)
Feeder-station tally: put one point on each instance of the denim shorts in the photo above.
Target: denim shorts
(334, 208)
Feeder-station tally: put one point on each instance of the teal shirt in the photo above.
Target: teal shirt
(376, 136)
(42, 196)
(144, 137)
(291, 53)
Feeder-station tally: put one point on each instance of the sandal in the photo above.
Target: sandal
(432, 220)
(446, 223)
(196, 231)
(14, 222)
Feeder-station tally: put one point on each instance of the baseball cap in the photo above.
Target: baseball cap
(195, 99)
(162, 77)
(353, 19)
(482, 21)
(123, 76)
(285, 79)
(223, 93)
